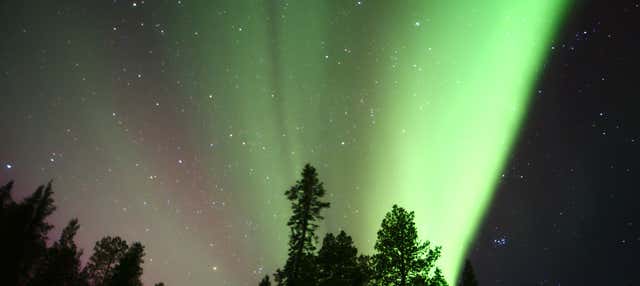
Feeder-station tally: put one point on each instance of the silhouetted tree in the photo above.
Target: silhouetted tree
(24, 233)
(129, 268)
(265, 281)
(26, 260)
(438, 279)
(419, 280)
(6, 200)
(61, 264)
(159, 284)
(468, 277)
(106, 254)
(338, 263)
(365, 270)
(400, 257)
(306, 204)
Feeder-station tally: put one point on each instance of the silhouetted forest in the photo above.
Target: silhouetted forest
(399, 258)
(31, 258)
(27, 260)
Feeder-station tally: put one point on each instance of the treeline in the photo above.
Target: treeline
(25, 258)
(399, 258)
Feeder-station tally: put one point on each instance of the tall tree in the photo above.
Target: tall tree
(400, 257)
(106, 254)
(265, 281)
(468, 277)
(306, 204)
(338, 262)
(129, 268)
(24, 233)
(61, 264)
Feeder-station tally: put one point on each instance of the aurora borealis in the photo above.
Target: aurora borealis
(182, 123)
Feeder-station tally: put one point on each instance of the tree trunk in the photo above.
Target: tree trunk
(305, 223)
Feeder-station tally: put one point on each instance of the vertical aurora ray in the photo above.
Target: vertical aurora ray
(415, 103)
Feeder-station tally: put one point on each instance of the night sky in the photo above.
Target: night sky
(567, 206)
(511, 128)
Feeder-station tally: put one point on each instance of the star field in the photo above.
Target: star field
(566, 201)
(510, 128)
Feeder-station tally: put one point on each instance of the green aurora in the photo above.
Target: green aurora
(181, 124)
(409, 102)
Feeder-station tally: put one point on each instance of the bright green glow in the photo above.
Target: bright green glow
(453, 123)
(427, 97)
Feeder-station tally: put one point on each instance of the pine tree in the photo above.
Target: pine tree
(24, 233)
(265, 281)
(400, 257)
(468, 276)
(106, 254)
(338, 262)
(129, 268)
(61, 264)
(306, 203)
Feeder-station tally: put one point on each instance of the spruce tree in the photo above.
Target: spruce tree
(400, 257)
(468, 276)
(306, 204)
